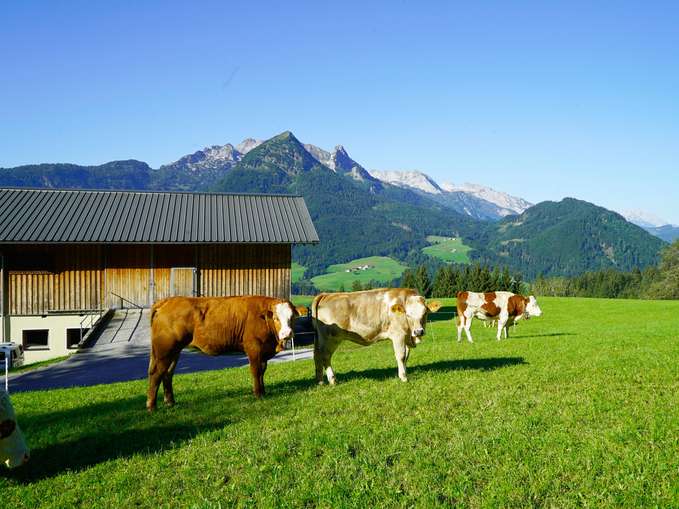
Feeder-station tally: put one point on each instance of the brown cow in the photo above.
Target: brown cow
(258, 326)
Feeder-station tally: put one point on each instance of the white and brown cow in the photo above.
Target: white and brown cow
(13, 450)
(398, 314)
(504, 307)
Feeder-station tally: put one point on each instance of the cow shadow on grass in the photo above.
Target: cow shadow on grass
(101, 432)
(84, 436)
(550, 335)
(488, 364)
(445, 314)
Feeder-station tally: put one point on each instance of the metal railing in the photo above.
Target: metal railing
(91, 317)
(123, 299)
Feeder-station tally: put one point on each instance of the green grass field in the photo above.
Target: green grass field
(448, 250)
(579, 408)
(297, 272)
(383, 269)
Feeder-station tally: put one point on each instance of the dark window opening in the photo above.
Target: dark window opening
(73, 337)
(36, 339)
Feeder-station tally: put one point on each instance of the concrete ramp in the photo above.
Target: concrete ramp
(125, 327)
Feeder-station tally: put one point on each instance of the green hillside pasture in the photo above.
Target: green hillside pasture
(383, 269)
(447, 249)
(578, 408)
(297, 272)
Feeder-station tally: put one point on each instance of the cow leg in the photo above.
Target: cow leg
(168, 393)
(501, 325)
(323, 350)
(262, 370)
(467, 328)
(460, 326)
(257, 374)
(401, 354)
(157, 369)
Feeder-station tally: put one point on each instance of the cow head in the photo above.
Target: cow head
(532, 308)
(283, 316)
(411, 317)
(13, 450)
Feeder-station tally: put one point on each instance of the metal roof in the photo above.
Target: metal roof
(77, 216)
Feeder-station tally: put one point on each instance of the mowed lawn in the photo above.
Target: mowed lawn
(448, 250)
(578, 408)
(382, 269)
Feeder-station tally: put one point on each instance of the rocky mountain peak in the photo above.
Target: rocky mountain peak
(247, 145)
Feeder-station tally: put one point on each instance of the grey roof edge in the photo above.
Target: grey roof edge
(141, 191)
(112, 216)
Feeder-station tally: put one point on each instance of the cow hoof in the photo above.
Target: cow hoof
(169, 403)
(403, 378)
(150, 409)
(320, 382)
(332, 382)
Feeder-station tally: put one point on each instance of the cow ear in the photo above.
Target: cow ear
(302, 310)
(7, 428)
(434, 306)
(398, 308)
(267, 314)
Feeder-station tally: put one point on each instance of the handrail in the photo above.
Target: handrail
(90, 317)
(127, 300)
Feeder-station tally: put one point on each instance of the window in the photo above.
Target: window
(35, 339)
(73, 337)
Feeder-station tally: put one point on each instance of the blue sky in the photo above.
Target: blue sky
(539, 99)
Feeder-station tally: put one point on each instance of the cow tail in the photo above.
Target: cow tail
(314, 317)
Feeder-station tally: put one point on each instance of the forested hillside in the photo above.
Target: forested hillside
(566, 238)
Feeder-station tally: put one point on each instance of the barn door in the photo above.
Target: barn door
(184, 281)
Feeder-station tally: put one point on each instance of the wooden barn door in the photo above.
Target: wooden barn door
(184, 281)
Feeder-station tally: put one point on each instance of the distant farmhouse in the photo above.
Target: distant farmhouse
(67, 257)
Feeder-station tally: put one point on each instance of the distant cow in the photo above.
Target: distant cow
(13, 450)
(504, 307)
(258, 326)
(365, 318)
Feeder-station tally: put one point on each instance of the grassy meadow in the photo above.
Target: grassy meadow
(578, 408)
(297, 272)
(382, 269)
(447, 249)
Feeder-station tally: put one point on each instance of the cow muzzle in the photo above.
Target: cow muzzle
(417, 333)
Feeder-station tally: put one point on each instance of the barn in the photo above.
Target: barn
(67, 257)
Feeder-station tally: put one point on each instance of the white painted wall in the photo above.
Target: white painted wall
(56, 324)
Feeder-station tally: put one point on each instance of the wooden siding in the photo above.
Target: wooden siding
(74, 281)
(257, 270)
(128, 275)
(82, 277)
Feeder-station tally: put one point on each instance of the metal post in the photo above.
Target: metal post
(293, 348)
(7, 374)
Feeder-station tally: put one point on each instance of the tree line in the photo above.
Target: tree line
(439, 281)
(655, 282)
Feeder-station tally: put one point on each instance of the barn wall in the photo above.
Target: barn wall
(63, 278)
(238, 270)
(49, 279)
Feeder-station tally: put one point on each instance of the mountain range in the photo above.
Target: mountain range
(359, 213)
(653, 224)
